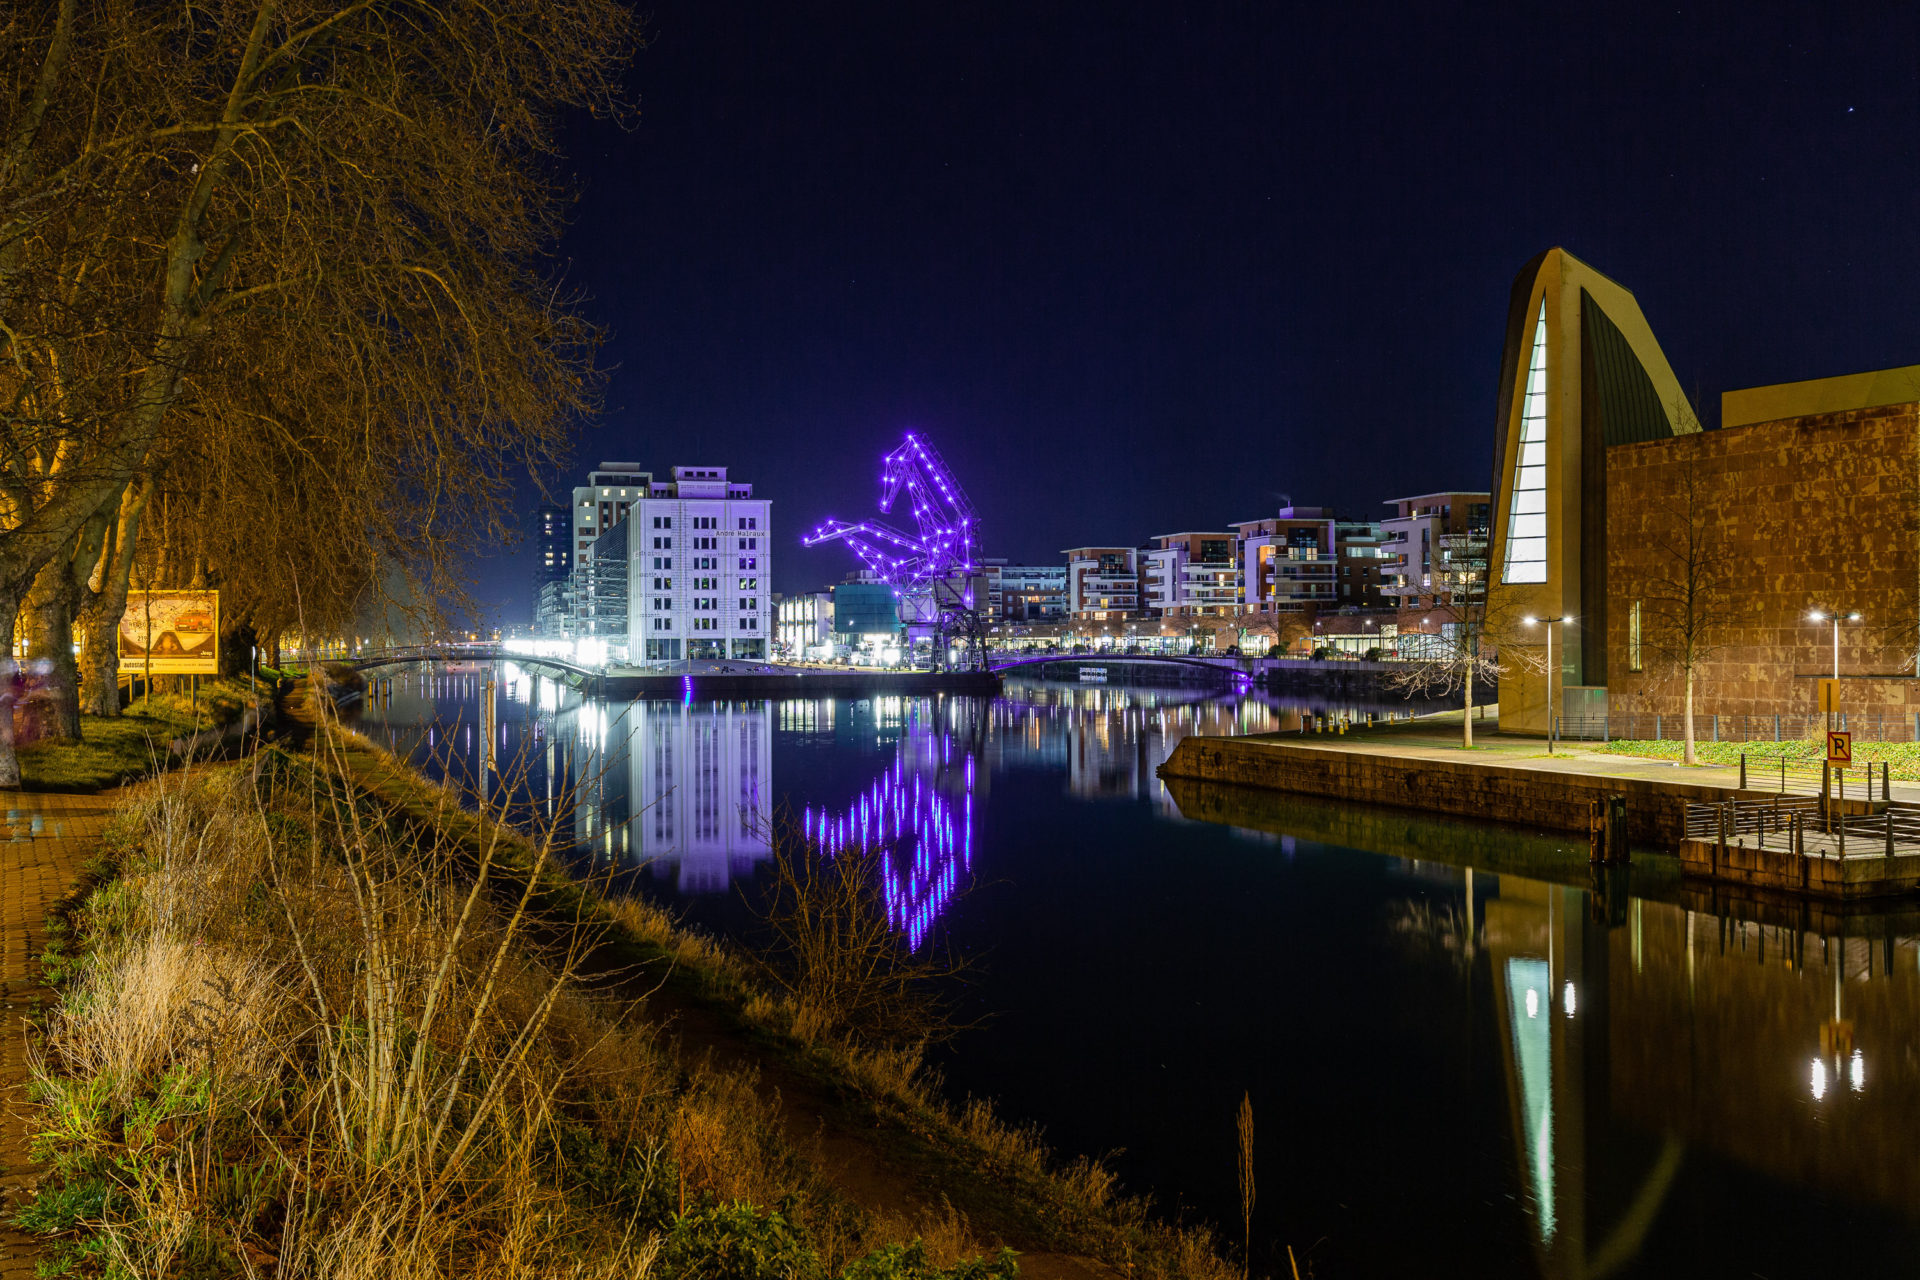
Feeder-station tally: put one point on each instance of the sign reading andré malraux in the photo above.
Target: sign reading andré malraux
(171, 633)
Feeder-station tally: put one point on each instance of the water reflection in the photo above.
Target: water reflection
(1648, 1045)
(686, 789)
(1571, 1076)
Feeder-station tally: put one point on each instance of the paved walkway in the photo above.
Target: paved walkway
(44, 839)
(1438, 738)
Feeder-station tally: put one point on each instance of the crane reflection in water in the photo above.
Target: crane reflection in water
(927, 847)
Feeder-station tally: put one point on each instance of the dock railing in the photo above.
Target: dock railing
(1802, 825)
(1791, 775)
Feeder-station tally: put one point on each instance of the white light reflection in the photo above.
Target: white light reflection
(1857, 1072)
(1533, 1003)
(1819, 1079)
(1566, 999)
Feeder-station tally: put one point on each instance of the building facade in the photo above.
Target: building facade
(1033, 592)
(1581, 373)
(701, 557)
(1191, 575)
(1103, 583)
(1359, 548)
(1289, 562)
(1435, 549)
(551, 530)
(554, 613)
(1804, 501)
(604, 589)
(806, 626)
(602, 502)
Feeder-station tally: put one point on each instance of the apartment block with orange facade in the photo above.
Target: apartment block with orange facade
(1435, 549)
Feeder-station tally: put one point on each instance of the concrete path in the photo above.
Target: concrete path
(1438, 738)
(44, 840)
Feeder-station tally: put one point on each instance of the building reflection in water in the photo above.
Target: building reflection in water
(686, 789)
(1763, 1036)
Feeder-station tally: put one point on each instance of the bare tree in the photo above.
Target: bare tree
(1687, 606)
(1466, 650)
(312, 226)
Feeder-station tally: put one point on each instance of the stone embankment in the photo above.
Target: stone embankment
(1544, 799)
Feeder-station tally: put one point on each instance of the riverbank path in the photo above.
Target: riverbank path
(44, 841)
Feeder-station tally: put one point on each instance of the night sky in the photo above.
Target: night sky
(1138, 269)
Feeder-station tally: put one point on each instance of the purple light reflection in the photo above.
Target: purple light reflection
(927, 837)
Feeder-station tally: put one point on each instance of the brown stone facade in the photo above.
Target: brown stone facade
(1817, 512)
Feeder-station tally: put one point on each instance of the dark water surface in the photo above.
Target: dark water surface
(1464, 1057)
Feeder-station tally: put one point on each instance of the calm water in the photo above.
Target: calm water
(1463, 1058)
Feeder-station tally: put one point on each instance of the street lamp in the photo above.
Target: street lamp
(1834, 616)
(1530, 620)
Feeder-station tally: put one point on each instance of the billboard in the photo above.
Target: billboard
(171, 633)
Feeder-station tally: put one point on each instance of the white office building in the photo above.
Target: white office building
(701, 551)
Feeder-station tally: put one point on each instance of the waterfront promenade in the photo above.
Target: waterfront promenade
(1505, 778)
(1437, 737)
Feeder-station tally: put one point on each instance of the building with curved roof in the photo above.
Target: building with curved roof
(1581, 371)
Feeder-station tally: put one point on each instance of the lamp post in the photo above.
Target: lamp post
(1834, 616)
(1530, 620)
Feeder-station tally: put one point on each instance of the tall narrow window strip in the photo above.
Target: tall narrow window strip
(1633, 638)
(1527, 520)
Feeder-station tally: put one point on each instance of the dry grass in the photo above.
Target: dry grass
(306, 1041)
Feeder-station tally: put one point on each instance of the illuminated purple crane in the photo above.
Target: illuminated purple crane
(946, 526)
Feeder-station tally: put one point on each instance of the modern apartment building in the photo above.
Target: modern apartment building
(1191, 575)
(1033, 593)
(1103, 583)
(602, 502)
(1359, 547)
(1436, 548)
(700, 551)
(1289, 561)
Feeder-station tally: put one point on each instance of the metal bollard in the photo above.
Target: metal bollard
(1743, 771)
(1889, 835)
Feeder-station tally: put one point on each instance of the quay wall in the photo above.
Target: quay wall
(1542, 799)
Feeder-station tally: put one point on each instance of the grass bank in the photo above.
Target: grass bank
(1901, 758)
(294, 1039)
(323, 1021)
(116, 749)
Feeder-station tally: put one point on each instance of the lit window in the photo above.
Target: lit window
(1527, 521)
(1633, 637)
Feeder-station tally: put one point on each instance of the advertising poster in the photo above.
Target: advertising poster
(171, 633)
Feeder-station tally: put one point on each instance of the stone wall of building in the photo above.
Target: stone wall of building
(1820, 512)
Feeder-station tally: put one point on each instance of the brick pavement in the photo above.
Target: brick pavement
(44, 840)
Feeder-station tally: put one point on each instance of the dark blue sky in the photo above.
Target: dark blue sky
(1142, 268)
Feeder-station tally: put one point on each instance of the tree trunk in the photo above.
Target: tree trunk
(1688, 756)
(100, 615)
(1466, 716)
(53, 675)
(9, 691)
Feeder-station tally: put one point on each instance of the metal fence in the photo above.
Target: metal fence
(1801, 825)
(1791, 727)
